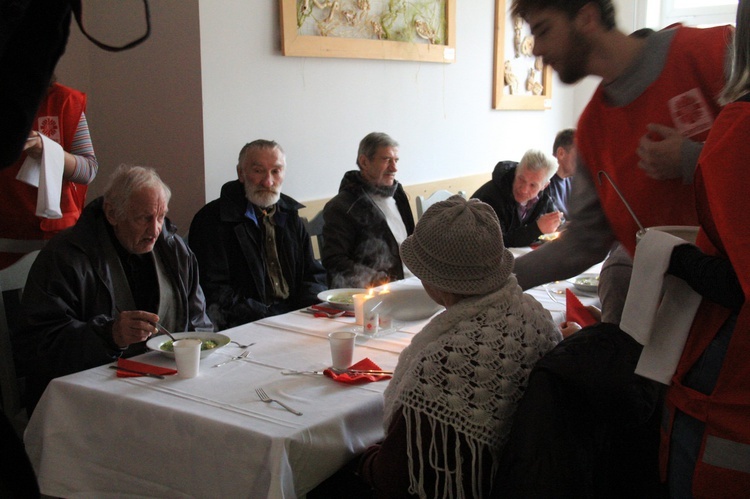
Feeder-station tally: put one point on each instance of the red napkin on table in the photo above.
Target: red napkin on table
(576, 312)
(330, 310)
(140, 366)
(353, 378)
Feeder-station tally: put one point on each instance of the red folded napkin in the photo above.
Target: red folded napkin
(355, 379)
(576, 312)
(331, 310)
(140, 366)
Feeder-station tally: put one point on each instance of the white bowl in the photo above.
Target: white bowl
(340, 298)
(408, 304)
(588, 283)
(157, 343)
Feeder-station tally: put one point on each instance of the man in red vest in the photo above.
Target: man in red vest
(644, 127)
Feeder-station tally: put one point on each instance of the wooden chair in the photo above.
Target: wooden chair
(441, 195)
(315, 228)
(12, 279)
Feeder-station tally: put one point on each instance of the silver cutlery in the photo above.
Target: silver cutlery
(156, 325)
(242, 346)
(375, 372)
(142, 373)
(265, 398)
(165, 331)
(238, 357)
(321, 313)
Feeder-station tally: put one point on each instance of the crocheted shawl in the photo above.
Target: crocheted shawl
(465, 372)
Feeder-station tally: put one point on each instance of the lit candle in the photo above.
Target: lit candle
(359, 304)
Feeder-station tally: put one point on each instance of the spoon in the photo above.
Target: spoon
(641, 230)
(156, 325)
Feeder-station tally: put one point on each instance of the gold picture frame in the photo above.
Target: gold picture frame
(514, 63)
(425, 47)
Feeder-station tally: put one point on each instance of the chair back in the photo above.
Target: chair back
(314, 227)
(12, 279)
(441, 195)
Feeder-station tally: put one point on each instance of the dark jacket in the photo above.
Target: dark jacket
(359, 249)
(586, 426)
(68, 305)
(498, 193)
(229, 248)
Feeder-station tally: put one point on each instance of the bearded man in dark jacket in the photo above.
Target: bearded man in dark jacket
(518, 195)
(96, 290)
(366, 222)
(256, 258)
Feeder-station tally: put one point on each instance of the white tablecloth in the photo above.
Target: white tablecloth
(96, 435)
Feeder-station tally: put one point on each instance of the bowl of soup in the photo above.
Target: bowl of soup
(210, 342)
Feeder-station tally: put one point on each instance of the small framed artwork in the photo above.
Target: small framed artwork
(411, 30)
(520, 80)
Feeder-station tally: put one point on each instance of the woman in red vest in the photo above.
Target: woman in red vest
(61, 118)
(706, 445)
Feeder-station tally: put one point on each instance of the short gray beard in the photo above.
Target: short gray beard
(261, 199)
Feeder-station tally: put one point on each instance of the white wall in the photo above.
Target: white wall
(212, 78)
(319, 109)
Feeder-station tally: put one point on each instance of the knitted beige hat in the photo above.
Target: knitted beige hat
(457, 247)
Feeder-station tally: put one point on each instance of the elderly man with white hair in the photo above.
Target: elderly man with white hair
(517, 194)
(96, 290)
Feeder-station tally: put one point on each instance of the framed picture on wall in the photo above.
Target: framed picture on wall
(520, 80)
(415, 30)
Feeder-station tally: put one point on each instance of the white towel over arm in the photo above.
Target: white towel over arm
(659, 309)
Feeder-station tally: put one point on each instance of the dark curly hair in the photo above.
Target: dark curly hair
(521, 8)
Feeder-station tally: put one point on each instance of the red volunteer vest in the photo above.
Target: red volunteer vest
(723, 467)
(683, 97)
(57, 118)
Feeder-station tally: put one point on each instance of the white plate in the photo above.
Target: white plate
(157, 342)
(588, 283)
(340, 298)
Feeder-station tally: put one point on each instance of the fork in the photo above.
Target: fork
(242, 346)
(240, 356)
(263, 396)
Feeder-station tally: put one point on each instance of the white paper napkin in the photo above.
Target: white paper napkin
(47, 175)
(659, 309)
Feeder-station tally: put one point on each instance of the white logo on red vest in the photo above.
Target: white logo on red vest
(690, 113)
(49, 126)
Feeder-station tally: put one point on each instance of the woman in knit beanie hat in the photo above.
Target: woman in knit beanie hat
(451, 401)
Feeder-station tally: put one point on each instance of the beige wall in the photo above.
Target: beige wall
(145, 105)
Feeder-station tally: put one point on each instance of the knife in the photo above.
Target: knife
(143, 373)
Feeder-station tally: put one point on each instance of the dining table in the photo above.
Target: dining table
(94, 434)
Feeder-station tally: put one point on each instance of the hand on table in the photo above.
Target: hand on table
(133, 326)
(549, 222)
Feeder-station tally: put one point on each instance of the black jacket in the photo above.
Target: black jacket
(359, 249)
(498, 193)
(230, 251)
(586, 426)
(68, 305)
